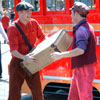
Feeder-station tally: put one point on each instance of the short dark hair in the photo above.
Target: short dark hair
(81, 8)
(24, 6)
(82, 15)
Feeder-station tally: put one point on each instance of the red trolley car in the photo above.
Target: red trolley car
(54, 15)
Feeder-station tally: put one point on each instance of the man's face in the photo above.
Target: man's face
(25, 14)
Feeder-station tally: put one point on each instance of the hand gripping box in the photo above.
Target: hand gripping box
(60, 42)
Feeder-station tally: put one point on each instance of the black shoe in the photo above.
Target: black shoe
(0, 76)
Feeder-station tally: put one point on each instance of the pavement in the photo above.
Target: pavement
(4, 82)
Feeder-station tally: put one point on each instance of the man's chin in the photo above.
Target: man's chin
(28, 19)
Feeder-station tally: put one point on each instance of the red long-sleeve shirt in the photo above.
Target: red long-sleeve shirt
(32, 31)
(5, 21)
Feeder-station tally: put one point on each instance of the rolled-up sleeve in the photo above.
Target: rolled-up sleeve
(40, 33)
(82, 36)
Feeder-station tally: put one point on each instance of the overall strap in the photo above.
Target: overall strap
(24, 36)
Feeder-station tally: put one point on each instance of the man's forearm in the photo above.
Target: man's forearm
(73, 53)
(17, 54)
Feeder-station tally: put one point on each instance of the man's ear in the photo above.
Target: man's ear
(77, 14)
(18, 12)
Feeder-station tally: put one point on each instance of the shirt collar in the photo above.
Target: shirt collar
(79, 23)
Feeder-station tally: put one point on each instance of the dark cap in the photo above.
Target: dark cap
(24, 6)
(81, 8)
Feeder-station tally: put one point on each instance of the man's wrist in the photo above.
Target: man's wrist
(23, 57)
(65, 54)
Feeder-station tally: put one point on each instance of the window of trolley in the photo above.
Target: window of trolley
(46, 7)
(57, 5)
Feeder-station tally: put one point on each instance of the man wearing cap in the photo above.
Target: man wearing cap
(83, 54)
(19, 49)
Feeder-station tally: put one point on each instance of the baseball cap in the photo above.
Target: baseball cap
(24, 6)
(81, 8)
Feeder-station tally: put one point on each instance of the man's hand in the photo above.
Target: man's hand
(56, 55)
(29, 59)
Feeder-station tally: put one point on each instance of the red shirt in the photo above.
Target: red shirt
(32, 31)
(5, 21)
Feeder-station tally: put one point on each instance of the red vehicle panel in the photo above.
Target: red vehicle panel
(54, 20)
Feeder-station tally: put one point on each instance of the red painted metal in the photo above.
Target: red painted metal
(54, 18)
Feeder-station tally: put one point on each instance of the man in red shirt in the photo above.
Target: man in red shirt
(5, 21)
(19, 49)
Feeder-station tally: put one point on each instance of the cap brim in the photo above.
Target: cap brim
(70, 8)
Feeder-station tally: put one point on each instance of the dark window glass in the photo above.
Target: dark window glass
(56, 5)
(90, 3)
(35, 3)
